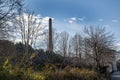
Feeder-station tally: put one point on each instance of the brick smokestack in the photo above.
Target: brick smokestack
(50, 36)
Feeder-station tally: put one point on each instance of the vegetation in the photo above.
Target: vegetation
(63, 57)
(48, 72)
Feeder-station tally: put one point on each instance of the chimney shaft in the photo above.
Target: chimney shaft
(50, 36)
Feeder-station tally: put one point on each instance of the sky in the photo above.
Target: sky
(73, 15)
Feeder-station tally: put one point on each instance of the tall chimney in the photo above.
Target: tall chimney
(50, 36)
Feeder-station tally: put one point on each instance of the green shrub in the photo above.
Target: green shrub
(68, 73)
(49, 72)
(5, 75)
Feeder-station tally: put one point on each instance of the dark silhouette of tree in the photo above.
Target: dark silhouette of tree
(7, 50)
(20, 48)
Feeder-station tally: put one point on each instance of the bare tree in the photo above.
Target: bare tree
(64, 37)
(55, 39)
(98, 42)
(8, 8)
(70, 50)
(77, 44)
(28, 28)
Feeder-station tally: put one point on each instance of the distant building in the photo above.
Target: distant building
(118, 60)
(111, 63)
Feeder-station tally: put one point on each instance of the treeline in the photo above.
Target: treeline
(22, 32)
(94, 52)
(95, 48)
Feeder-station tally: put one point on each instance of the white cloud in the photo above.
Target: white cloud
(117, 46)
(75, 19)
(82, 18)
(44, 20)
(115, 21)
(71, 20)
(37, 19)
(70, 28)
(100, 19)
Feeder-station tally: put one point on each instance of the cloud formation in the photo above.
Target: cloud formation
(82, 18)
(72, 20)
(75, 19)
(115, 21)
(117, 46)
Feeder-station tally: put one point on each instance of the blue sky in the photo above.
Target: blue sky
(72, 15)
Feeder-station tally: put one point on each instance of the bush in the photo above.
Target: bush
(49, 72)
(20, 74)
(68, 73)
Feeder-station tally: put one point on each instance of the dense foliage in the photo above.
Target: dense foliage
(48, 72)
